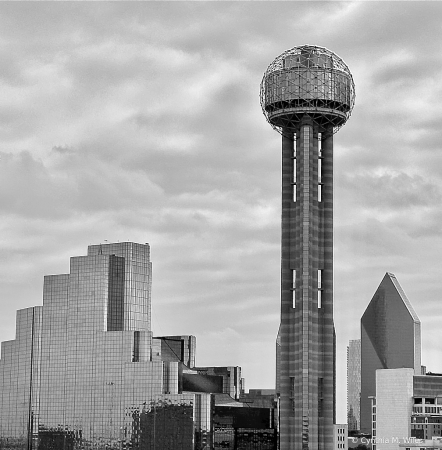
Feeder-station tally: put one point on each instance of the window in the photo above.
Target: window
(319, 167)
(293, 288)
(294, 169)
(320, 288)
(321, 398)
(136, 347)
(292, 393)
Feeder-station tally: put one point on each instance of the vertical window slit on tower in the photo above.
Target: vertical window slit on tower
(293, 288)
(294, 168)
(136, 353)
(320, 397)
(292, 394)
(319, 167)
(320, 288)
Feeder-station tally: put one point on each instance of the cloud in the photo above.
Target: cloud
(387, 190)
(69, 184)
(141, 121)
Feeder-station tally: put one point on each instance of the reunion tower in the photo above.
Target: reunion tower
(307, 94)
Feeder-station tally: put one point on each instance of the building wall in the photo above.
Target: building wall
(244, 428)
(426, 421)
(278, 363)
(390, 338)
(137, 281)
(178, 348)
(84, 368)
(427, 386)
(340, 436)
(354, 385)
(307, 355)
(394, 399)
(426, 427)
(260, 398)
(174, 422)
(19, 379)
(231, 376)
(96, 364)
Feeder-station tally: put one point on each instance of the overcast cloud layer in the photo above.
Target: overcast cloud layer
(141, 122)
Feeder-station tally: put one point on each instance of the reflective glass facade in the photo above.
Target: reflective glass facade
(244, 428)
(390, 339)
(19, 380)
(84, 371)
(354, 385)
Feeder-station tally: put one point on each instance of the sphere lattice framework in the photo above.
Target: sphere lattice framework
(307, 80)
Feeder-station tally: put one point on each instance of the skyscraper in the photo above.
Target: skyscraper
(85, 371)
(307, 94)
(354, 385)
(390, 339)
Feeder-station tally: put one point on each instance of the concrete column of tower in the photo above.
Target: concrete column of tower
(327, 323)
(306, 307)
(289, 354)
(304, 262)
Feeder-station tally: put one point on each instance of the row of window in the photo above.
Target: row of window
(294, 179)
(427, 409)
(319, 288)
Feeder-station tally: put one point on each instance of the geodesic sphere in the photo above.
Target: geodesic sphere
(307, 80)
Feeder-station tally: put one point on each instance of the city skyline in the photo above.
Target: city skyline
(142, 122)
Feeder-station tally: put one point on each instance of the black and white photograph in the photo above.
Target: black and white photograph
(220, 225)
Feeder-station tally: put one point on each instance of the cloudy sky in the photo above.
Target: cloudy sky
(141, 122)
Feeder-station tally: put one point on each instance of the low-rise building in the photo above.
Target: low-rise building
(340, 436)
(407, 409)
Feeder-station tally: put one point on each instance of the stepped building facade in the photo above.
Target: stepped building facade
(85, 372)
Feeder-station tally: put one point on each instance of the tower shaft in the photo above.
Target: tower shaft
(307, 377)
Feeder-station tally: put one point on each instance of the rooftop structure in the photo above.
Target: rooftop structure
(307, 80)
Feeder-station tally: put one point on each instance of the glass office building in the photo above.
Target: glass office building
(20, 379)
(390, 339)
(84, 370)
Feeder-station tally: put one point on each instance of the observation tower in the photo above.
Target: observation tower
(307, 93)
